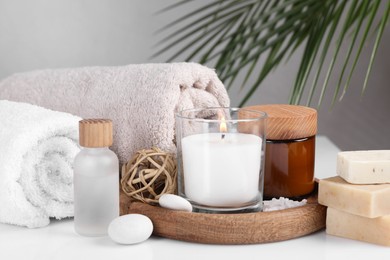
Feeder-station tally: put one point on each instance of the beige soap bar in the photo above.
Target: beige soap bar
(364, 200)
(372, 230)
(364, 167)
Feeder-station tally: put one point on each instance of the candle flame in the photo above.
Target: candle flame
(223, 126)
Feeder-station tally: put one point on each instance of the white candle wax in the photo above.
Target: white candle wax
(222, 172)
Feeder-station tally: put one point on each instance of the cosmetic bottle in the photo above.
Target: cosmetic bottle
(96, 179)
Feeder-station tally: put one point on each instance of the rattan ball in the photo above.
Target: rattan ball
(149, 174)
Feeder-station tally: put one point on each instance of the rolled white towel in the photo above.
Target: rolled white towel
(37, 148)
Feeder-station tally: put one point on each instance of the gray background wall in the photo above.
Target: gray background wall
(70, 33)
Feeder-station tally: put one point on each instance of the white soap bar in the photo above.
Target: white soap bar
(372, 230)
(364, 167)
(130, 229)
(174, 202)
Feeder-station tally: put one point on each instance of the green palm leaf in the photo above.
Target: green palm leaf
(233, 36)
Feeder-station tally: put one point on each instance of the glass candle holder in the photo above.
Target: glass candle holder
(221, 159)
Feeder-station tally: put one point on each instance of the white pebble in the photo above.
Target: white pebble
(171, 201)
(281, 203)
(130, 229)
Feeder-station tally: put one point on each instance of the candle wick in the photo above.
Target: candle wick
(223, 136)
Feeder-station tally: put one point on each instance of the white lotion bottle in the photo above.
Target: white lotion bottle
(96, 179)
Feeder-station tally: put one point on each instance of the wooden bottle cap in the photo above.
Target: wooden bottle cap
(287, 122)
(95, 132)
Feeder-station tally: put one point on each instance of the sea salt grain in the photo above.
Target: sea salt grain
(281, 203)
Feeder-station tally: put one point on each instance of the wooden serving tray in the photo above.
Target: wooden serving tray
(246, 228)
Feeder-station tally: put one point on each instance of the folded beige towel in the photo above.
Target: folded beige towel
(140, 99)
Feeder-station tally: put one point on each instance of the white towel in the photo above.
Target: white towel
(37, 148)
(140, 99)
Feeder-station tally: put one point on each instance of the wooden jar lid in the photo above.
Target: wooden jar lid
(95, 132)
(286, 122)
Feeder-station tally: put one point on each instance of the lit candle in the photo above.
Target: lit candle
(222, 169)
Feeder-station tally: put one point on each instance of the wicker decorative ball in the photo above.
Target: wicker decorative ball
(149, 174)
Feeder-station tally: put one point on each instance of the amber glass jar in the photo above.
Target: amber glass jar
(290, 150)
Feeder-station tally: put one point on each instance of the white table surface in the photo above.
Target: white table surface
(59, 241)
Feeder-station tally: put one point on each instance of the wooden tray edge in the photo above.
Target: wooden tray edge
(247, 228)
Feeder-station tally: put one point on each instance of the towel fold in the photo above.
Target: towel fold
(140, 99)
(37, 149)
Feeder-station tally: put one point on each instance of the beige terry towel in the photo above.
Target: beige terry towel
(140, 99)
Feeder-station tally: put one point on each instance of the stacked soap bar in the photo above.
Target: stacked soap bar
(364, 167)
(358, 199)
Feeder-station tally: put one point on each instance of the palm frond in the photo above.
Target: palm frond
(362, 42)
(381, 29)
(234, 35)
(361, 17)
(325, 49)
